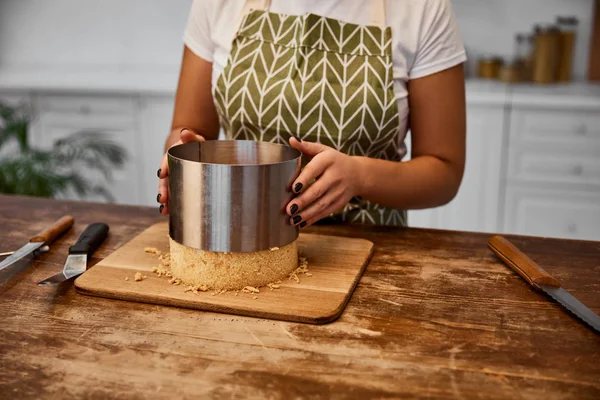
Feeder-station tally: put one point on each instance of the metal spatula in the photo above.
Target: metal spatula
(80, 253)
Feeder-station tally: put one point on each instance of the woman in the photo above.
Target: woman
(341, 81)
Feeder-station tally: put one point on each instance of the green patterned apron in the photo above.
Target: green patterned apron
(319, 79)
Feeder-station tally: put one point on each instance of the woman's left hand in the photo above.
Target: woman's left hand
(337, 181)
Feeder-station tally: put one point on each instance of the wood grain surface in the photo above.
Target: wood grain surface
(335, 263)
(435, 316)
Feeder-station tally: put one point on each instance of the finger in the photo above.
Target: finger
(316, 210)
(163, 209)
(310, 149)
(163, 189)
(309, 196)
(337, 205)
(187, 135)
(315, 168)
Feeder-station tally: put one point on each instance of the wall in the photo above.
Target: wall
(86, 36)
(489, 26)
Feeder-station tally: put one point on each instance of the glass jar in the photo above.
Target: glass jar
(568, 33)
(524, 55)
(489, 67)
(546, 54)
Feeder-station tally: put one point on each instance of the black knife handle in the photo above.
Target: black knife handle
(90, 239)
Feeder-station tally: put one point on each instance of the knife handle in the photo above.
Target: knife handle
(90, 239)
(49, 234)
(520, 263)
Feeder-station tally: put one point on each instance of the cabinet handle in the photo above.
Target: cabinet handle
(577, 170)
(582, 130)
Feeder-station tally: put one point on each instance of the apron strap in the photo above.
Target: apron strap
(378, 13)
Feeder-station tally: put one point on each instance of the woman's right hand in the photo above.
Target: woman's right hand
(185, 136)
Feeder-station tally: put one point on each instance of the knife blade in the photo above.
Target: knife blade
(537, 277)
(79, 254)
(44, 238)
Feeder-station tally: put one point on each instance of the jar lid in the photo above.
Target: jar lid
(568, 21)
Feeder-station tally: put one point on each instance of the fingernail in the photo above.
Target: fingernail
(158, 172)
(294, 209)
(298, 187)
(298, 138)
(303, 224)
(161, 208)
(183, 129)
(158, 197)
(296, 219)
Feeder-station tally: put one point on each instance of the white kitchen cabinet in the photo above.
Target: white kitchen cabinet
(59, 115)
(476, 206)
(553, 212)
(553, 174)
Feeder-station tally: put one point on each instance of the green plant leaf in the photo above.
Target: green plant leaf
(49, 173)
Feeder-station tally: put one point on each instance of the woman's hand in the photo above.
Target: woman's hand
(338, 178)
(185, 136)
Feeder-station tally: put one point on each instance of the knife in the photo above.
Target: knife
(80, 253)
(541, 280)
(44, 238)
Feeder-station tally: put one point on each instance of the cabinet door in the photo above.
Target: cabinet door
(553, 213)
(62, 115)
(475, 207)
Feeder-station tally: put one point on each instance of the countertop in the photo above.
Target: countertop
(164, 83)
(563, 95)
(435, 315)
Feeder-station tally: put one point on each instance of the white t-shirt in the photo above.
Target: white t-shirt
(425, 36)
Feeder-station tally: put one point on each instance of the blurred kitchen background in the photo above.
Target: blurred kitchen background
(103, 74)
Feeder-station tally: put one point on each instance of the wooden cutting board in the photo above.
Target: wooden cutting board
(336, 265)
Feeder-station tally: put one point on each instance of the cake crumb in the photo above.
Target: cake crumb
(255, 297)
(153, 250)
(302, 269)
(138, 277)
(126, 278)
(274, 248)
(294, 277)
(250, 289)
(273, 286)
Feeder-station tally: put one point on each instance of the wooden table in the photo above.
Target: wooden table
(436, 315)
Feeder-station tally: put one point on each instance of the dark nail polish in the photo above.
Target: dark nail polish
(303, 224)
(298, 187)
(296, 219)
(158, 172)
(294, 209)
(161, 208)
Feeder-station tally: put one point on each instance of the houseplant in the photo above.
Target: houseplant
(28, 170)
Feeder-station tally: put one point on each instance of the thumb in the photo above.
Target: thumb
(310, 149)
(187, 135)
